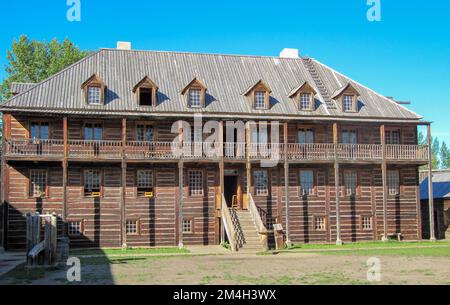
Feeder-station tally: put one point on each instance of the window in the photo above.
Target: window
(260, 100)
(38, 183)
(306, 136)
(145, 96)
(39, 130)
(144, 133)
(188, 226)
(305, 101)
(75, 228)
(349, 136)
(132, 227)
(366, 222)
(92, 183)
(393, 181)
(195, 98)
(94, 95)
(261, 183)
(93, 132)
(392, 137)
(307, 182)
(348, 103)
(195, 183)
(145, 183)
(350, 182)
(319, 223)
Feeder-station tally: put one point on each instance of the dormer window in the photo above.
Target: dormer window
(146, 92)
(348, 98)
(94, 91)
(195, 93)
(94, 95)
(259, 95)
(304, 97)
(195, 98)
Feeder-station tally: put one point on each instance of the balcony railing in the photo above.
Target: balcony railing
(81, 149)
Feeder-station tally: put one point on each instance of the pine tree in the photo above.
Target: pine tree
(445, 156)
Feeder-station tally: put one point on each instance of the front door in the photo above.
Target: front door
(231, 190)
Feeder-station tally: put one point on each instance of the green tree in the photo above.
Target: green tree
(421, 140)
(445, 156)
(33, 61)
(435, 152)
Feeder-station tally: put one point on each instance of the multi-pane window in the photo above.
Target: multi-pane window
(305, 101)
(38, 183)
(92, 183)
(145, 183)
(307, 182)
(75, 228)
(392, 137)
(260, 100)
(144, 133)
(261, 183)
(306, 136)
(188, 226)
(195, 98)
(393, 182)
(94, 95)
(93, 132)
(347, 102)
(366, 222)
(39, 130)
(195, 182)
(349, 136)
(319, 223)
(350, 182)
(132, 227)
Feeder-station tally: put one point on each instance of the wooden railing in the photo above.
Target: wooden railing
(227, 223)
(35, 148)
(81, 149)
(262, 230)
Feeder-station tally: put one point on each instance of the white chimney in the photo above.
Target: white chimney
(123, 45)
(289, 53)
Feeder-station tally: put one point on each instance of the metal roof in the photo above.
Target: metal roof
(441, 186)
(17, 88)
(225, 76)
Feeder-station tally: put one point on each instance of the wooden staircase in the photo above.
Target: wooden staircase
(250, 236)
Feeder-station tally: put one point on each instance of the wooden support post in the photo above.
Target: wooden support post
(248, 163)
(384, 181)
(5, 179)
(430, 185)
(286, 183)
(181, 203)
(124, 185)
(222, 180)
(336, 185)
(65, 173)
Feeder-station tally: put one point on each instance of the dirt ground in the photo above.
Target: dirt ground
(232, 269)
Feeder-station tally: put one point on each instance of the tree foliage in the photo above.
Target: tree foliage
(32, 61)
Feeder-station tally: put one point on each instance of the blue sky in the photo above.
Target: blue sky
(406, 55)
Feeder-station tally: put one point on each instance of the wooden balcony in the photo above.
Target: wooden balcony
(141, 151)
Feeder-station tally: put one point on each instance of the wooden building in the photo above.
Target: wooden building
(107, 144)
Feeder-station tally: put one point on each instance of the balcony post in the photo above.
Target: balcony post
(4, 172)
(221, 181)
(124, 185)
(65, 171)
(384, 181)
(181, 202)
(336, 186)
(430, 185)
(286, 182)
(248, 163)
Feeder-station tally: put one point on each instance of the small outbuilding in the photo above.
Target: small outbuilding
(441, 195)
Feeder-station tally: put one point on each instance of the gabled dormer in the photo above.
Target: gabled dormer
(94, 91)
(259, 95)
(304, 97)
(195, 93)
(146, 92)
(347, 97)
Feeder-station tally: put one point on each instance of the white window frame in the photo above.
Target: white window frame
(346, 107)
(90, 185)
(145, 182)
(310, 183)
(260, 97)
(195, 98)
(38, 183)
(351, 182)
(195, 183)
(94, 95)
(320, 223)
(261, 180)
(305, 101)
(188, 226)
(393, 182)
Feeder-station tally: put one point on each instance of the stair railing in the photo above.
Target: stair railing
(262, 230)
(227, 223)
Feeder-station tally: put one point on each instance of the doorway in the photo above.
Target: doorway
(231, 190)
